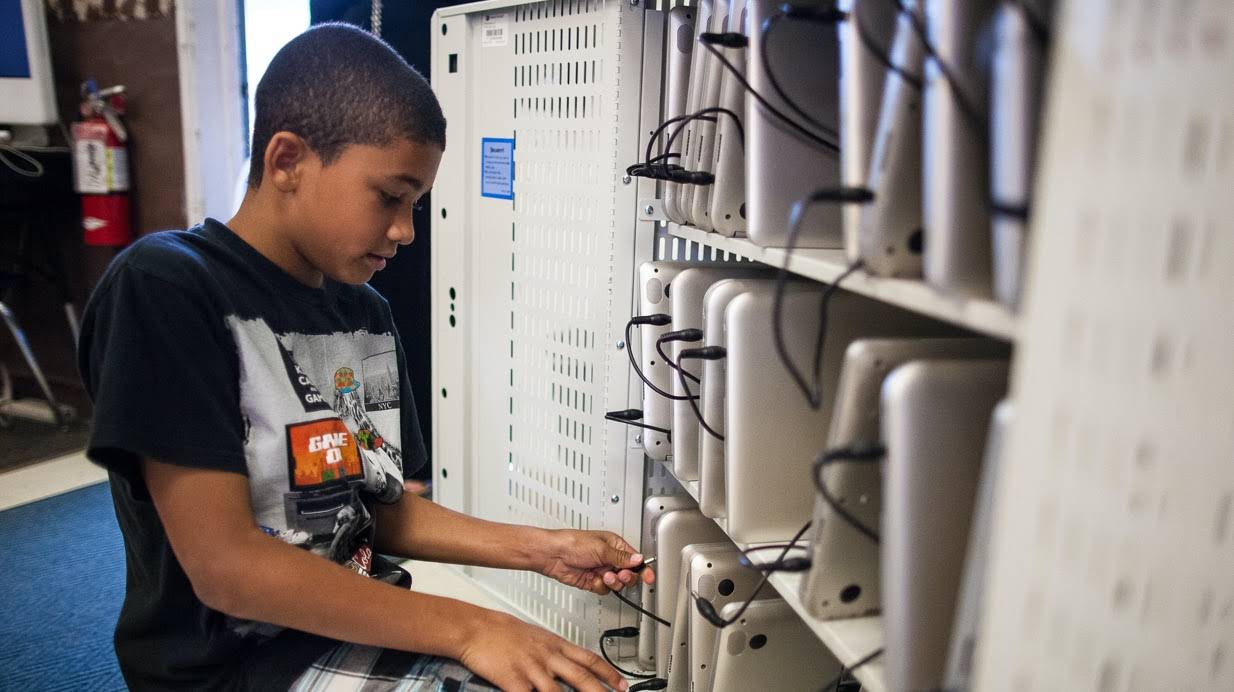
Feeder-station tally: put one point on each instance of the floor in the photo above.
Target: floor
(73, 471)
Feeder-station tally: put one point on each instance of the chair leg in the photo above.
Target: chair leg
(70, 313)
(20, 336)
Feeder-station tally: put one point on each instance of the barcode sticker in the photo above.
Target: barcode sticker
(495, 30)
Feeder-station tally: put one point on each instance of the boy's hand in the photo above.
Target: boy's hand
(514, 655)
(596, 561)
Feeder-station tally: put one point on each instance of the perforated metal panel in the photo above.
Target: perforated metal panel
(531, 294)
(1113, 544)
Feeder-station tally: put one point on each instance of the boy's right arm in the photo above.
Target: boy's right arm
(237, 569)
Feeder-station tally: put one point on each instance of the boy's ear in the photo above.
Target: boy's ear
(287, 156)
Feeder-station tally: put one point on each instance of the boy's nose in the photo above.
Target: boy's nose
(402, 231)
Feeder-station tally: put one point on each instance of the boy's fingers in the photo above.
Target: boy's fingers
(592, 662)
(541, 681)
(649, 576)
(576, 676)
(618, 557)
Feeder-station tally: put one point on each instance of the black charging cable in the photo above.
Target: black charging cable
(686, 335)
(844, 195)
(704, 115)
(787, 564)
(881, 54)
(632, 416)
(812, 15)
(656, 320)
(704, 353)
(708, 611)
(710, 40)
(834, 684)
(865, 454)
(651, 168)
(621, 633)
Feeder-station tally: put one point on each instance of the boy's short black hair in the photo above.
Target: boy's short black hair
(336, 85)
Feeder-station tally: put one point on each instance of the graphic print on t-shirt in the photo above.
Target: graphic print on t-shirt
(314, 451)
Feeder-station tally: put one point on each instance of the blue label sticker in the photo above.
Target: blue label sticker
(497, 168)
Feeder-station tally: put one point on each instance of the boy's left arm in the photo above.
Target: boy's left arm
(596, 561)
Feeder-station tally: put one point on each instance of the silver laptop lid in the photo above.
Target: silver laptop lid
(843, 580)
(772, 434)
(1016, 86)
(783, 166)
(770, 648)
(674, 205)
(728, 194)
(717, 575)
(677, 668)
(861, 93)
(965, 631)
(654, 279)
(936, 416)
(654, 507)
(891, 240)
(956, 163)
(711, 402)
(675, 531)
(687, 300)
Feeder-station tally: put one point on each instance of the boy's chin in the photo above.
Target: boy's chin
(353, 276)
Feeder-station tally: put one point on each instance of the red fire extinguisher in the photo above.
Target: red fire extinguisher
(101, 162)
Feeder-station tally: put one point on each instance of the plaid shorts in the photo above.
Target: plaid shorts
(354, 668)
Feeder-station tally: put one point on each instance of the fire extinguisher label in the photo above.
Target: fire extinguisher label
(92, 170)
(118, 169)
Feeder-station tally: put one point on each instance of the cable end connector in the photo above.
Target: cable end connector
(624, 415)
(657, 320)
(730, 39)
(683, 335)
(704, 353)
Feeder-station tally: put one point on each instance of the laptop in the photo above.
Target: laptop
(703, 132)
(936, 417)
(654, 279)
(728, 194)
(654, 507)
(782, 166)
(711, 401)
(844, 580)
(678, 669)
(966, 630)
(955, 172)
(674, 532)
(861, 95)
(772, 433)
(1016, 86)
(717, 575)
(687, 306)
(675, 205)
(770, 648)
(891, 241)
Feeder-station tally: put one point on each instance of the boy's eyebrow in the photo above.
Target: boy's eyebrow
(410, 180)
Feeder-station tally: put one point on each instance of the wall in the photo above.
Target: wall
(131, 43)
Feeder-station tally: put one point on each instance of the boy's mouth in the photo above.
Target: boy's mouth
(377, 262)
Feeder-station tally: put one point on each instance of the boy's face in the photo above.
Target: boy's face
(352, 215)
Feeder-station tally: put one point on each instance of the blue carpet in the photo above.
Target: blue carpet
(61, 586)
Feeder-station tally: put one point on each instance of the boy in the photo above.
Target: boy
(253, 411)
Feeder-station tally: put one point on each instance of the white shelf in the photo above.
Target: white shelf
(849, 640)
(984, 316)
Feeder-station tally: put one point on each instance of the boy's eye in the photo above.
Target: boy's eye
(418, 206)
(390, 200)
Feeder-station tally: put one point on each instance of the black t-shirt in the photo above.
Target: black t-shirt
(198, 351)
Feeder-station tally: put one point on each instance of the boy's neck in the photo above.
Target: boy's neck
(259, 226)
